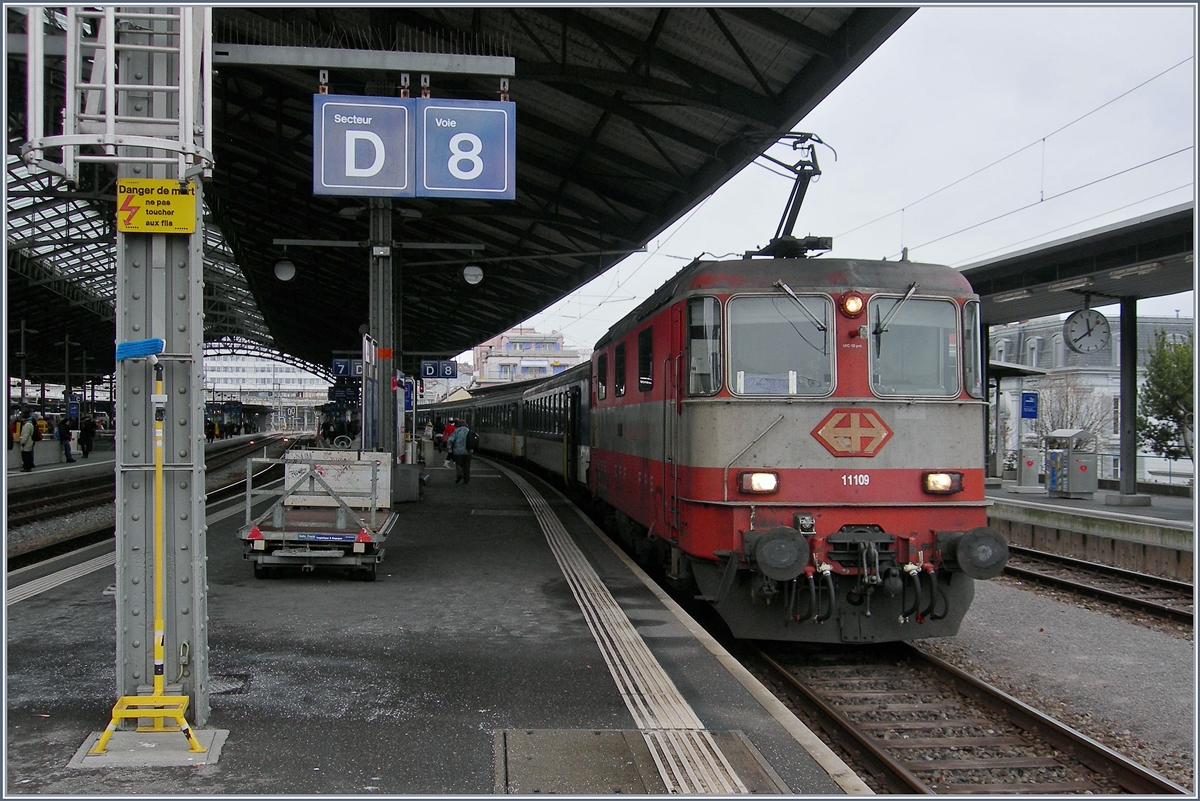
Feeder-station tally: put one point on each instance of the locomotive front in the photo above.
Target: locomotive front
(823, 474)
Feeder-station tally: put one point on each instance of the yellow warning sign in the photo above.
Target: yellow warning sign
(155, 206)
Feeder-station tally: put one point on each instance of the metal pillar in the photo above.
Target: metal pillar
(382, 322)
(1129, 353)
(154, 122)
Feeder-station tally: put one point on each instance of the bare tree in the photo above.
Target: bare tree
(1067, 402)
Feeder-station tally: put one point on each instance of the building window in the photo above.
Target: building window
(646, 360)
(619, 370)
(1116, 423)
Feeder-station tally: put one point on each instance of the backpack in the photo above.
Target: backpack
(37, 433)
(472, 440)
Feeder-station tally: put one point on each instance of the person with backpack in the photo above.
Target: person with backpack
(29, 436)
(62, 432)
(459, 445)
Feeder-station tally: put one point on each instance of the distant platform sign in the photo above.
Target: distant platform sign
(155, 206)
(440, 369)
(406, 147)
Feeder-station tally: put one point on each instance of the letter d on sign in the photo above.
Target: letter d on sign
(352, 168)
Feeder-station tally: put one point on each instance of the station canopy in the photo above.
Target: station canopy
(626, 118)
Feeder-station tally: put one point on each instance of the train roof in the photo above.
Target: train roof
(802, 275)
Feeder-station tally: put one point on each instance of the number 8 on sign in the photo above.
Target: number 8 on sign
(471, 156)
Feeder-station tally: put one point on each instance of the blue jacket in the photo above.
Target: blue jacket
(458, 441)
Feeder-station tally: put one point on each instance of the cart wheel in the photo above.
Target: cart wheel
(368, 573)
(261, 571)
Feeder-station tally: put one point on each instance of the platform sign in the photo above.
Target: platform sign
(1029, 405)
(356, 368)
(362, 146)
(155, 206)
(429, 369)
(409, 389)
(448, 369)
(73, 410)
(466, 148)
(341, 367)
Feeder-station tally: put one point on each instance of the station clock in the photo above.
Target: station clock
(1087, 331)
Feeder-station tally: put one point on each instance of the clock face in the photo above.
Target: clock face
(1087, 331)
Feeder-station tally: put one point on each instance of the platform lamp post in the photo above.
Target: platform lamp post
(67, 343)
(21, 354)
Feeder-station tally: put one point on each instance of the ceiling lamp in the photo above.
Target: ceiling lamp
(472, 274)
(285, 269)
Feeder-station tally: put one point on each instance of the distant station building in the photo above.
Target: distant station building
(1078, 390)
(285, 395)
(520, 354)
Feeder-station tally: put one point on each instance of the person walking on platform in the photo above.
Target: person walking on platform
(462, 454)
(447, 432)
(87, 435)
(63, 432)
(28, 438)
(439, 428)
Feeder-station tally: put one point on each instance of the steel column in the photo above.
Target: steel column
(382, 321)
(1129, 354)
(159, 295)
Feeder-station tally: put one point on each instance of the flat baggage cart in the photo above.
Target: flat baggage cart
(332, 509)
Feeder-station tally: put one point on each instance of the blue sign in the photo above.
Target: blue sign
(429, 369)
(341, 367)
(1029, 405)
(362, 146)
(467, 148)
(356, 368)
(73, 409)
(406, 147)
(448, 369)
(409, 386)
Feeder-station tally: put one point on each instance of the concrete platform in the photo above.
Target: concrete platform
(131, 749)
(492, 640)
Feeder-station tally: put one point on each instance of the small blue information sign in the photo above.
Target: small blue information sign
(341, 367)
(429, 369)
(1029, 405)
(448, 369)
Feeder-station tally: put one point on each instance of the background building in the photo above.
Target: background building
(522, 353)
(1078, 390)
(290, 394)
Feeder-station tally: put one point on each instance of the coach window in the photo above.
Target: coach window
(972, 364)
(646, 360)
(619, 370)
(914, 347)
(602, 376)
(704, 346)
(777, 348)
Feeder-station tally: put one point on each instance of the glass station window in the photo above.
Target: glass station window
(704, 346)
(602, 376)
(778, 348)
(914, 347)
(972, 364)
(619, 370)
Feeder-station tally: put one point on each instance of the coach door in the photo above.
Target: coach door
(672, 406)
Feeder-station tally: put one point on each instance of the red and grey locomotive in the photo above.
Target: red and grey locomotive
(799, 438)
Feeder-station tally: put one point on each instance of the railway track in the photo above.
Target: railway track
(74, 494)
(918, 725)
(1153, 595)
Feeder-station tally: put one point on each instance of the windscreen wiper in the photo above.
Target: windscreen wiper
(820, 325)
(883, 326)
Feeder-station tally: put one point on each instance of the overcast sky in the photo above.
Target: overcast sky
(954, 91)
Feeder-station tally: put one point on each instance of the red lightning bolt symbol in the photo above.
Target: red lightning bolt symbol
(126, 206)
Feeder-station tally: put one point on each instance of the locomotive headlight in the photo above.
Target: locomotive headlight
(758, 482)
(852, 304)
(943, 483)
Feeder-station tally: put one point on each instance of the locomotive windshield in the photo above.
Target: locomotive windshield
(917, 353)
(777, 348)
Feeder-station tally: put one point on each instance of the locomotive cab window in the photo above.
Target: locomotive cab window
(972, 360)
(646, 360)
(619, 370)
(704, 346)
(914, 347)
(778, 348)
(602, 376)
